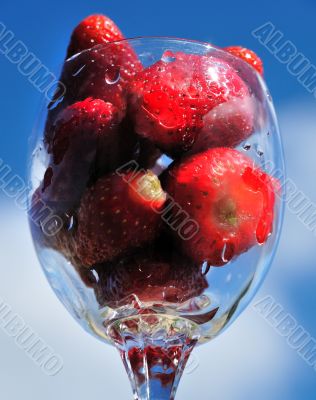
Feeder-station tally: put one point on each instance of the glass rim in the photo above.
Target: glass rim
(152, 38)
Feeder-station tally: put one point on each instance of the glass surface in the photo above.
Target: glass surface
(152, 290)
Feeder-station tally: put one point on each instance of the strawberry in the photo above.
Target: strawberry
(151, 277)
(248, 56)
(231, 200)
(170, 99)
(101, 72)
(226, 124)
(43, 215)
(93, 30)
(119, 213)
(91, 123)
(86, 141)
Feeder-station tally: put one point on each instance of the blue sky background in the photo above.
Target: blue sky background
(249, 361)
(45, 26)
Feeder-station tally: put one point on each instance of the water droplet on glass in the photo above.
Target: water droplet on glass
(112, 76)
(95, 274)
(71, 222)
(247, 146)
(259, 151)
(202, 301)
(205, 268)
(224, 255)
(168, 56)
(36, 151)
(146, 58)
(76, 73)
(73, 57)
(53, 104)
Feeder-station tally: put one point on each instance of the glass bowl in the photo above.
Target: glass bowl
(156, 200)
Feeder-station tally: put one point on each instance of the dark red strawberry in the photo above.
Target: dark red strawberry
(231, 200)
(101, 72)
(247, 55)
(51, 228)
(93, 30)
(55, 230)
(87, 142)
(117, 214)
(170, 100)
(91, 123)
(151, 277)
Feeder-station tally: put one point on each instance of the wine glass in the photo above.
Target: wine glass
(135, 276)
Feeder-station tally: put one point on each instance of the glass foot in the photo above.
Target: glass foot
(154, 349)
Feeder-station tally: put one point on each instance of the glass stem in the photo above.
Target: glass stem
(154, 350)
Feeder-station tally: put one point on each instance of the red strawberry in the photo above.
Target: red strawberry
(118, 213)
(91, 123)
(93, 30)
(151, 277)
(248, 56)
(101, 72)
(170, 99)
(226, 124)
(86, 142)
(231, 200)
